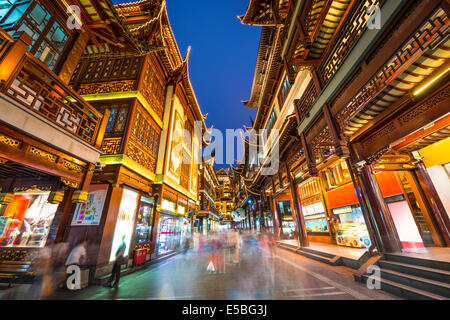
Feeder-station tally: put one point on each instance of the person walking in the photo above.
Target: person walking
(77, 257)
(78, 254)
(118, 262)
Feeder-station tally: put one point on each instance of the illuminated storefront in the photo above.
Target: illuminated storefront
(402, 188)
(174, 225)
(313, 209)
(287, 220)
(142, 236)
(331, 209)
(26, 221)
(169, 234)
(125, 222)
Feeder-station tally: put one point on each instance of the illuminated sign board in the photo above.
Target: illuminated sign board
(125, 222)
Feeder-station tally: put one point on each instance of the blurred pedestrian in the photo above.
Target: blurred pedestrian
(60, 252)
(78, 254)
(118, 262)
(77, 257)
(186, 244)
(237, 245)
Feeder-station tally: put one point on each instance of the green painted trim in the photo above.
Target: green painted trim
(127, 162)
(109, 96)
(366, 41)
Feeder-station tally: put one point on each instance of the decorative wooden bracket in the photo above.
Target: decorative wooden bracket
(340, 145)
(309, 157)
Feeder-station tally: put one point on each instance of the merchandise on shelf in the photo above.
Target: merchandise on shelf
(353, 234)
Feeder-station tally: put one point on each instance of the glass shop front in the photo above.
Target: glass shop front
(143, 233)
(287, 220)
(26, 220)
(313, 210)
(169, 233)
(173, 228)
(346, 222)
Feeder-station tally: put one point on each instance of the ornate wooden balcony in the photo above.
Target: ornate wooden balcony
(34, 86)
(353, 25)
(304, 104)
(346, 35)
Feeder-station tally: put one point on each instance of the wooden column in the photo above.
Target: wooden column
(74, 56)
(109, 220)
(384, 224)
(368, 217)
(13, 57)
(300, 221)
(133, 236)
(274, 218)
(276, 213)
(102, 129)
(64, 210)
(440, 215)
(261, 210)
(316, 79)
(155, 224)
(255, 225)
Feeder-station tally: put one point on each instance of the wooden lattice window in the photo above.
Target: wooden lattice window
(112, 69)
(154, 88)
(146, 132)
(49, 35)
(117, 119)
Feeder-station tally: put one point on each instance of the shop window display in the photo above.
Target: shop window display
(351, 230)
(169, 234)
(315, 218)
(26, 221)
(288, 224)
(144, 221)
(185, 230)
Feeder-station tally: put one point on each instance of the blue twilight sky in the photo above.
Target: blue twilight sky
(223, 57)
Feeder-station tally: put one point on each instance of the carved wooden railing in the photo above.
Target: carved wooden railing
(304, 104)
(34, 86)
(111, 145)
(345, 38)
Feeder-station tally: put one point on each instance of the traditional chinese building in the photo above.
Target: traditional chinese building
(50, 137)
(358, 94)
(148, 188)
(208, 216)
(225, 193)
(101, 130)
